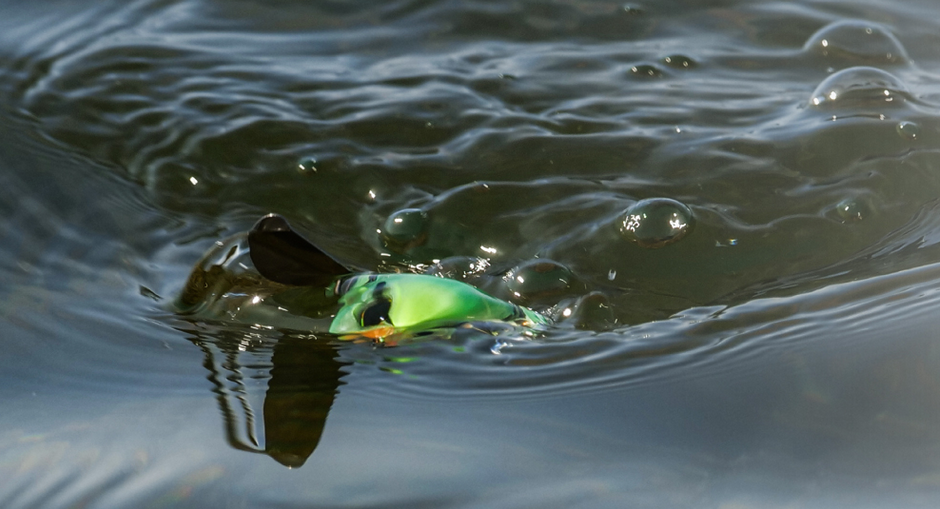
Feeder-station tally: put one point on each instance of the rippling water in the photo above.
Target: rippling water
(779, 351)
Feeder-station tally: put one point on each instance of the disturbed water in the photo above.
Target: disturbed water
(729, 208)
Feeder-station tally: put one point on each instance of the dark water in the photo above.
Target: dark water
(783, 353)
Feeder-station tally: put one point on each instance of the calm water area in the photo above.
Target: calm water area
(776, 346)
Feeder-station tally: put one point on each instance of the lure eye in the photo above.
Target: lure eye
(376, 313)
(378, 310)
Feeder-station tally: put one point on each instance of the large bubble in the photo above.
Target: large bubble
(537, 279)
(405, 229)
(857, 87)
(857, 42)
(656, 222)
(592, 311)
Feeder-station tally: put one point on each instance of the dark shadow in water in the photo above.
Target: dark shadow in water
(291, 379)
(304, 380)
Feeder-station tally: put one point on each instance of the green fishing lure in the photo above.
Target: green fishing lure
(376, 305)
(379, 304)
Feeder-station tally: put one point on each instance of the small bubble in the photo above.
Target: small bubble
(405, 229)
(856, 41)
(859, 87)
(852, 210)
(307, 165)
(538, 278)
(908, 130)
(633, 9)
(679, 62)
(646, 71)
(656, 222)
(726, 243)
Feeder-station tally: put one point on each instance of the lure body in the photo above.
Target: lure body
(375, 305)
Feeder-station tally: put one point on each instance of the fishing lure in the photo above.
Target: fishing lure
(376, 305)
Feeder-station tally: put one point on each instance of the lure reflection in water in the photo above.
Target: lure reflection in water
(274, 390)
(302, 383)
(285, 417)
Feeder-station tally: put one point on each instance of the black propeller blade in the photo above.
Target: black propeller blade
(282, 255)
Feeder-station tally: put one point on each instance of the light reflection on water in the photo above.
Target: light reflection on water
(779, 353)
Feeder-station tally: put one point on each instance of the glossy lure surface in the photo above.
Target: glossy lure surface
(376, 305)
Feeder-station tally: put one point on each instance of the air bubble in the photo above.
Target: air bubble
(679, 62)
(307, 165)
(592, 311)
(852, 210)
(857, 42)
(656, 222)
(908, 130)
(859, 87)
(646, 71)
(405, 229)
(633, 9)
(539, 278)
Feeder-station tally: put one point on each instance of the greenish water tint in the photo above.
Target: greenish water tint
(729, 209)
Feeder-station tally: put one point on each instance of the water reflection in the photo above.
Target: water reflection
(502, 135)
(292, 383)
(274, 390)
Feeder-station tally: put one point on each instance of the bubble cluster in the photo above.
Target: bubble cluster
(859, 42)
(405, 229)
(656, 222)
(859, 87)
(537, 279)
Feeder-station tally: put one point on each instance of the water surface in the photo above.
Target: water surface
(782, 352)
